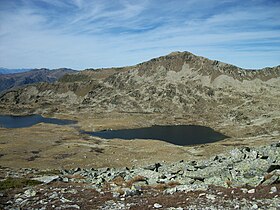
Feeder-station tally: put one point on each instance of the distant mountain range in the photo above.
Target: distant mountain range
(9, 80)
(12, 71)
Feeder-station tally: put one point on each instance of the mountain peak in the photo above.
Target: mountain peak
(175, 53)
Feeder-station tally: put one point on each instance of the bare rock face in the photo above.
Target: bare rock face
(184, 83)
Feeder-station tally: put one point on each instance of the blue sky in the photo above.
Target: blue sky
(81, 34)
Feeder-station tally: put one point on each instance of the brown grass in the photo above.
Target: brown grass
(164, 186)
(228, 183)
(75, 176)
(120, 191)
(268, 176)
(119, 181)
(135, 179)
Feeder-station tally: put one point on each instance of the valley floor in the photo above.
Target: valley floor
(47, 146)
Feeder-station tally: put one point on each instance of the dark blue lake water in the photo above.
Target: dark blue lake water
(8, 121)
(177, 134)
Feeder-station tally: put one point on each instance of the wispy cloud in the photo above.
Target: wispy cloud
(81, 34)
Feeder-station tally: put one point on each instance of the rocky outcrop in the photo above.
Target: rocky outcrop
(240, 167)
(243, 171)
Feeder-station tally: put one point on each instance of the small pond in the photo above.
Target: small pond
(177, 134)
(8, 121)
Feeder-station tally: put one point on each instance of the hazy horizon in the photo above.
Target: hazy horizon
(62, 67)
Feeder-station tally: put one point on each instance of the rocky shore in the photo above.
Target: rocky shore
(244, 178)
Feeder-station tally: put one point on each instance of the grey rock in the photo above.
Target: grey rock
(253, 182)
(53, 195)
(76, 170)
(18, 200)
(65, 179)
(157, 206)
(170, 191)
(273, 189)
(64, 200)
(208, 172)
(131, 191)
(140, 183)
(194, 187)
(217, 181)
(209, 196)
(273, 167)
(255, 167)
(236, 155)
(67, 206)
(273, 179)
(47, 179)
(152, 176)
(251, 191)
(72, 191)
(153, 167)
(30, 193)
(255, 206)
(116, 194)
(185, 180)
(244, 190)
(252, 154)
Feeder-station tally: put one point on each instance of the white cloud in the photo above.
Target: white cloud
(82, 34)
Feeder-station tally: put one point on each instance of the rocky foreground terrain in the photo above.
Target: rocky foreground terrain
(83, 172)
(245, 178)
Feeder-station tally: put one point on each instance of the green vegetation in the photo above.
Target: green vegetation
(10, 183)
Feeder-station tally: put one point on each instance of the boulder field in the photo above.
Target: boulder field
(243, 178)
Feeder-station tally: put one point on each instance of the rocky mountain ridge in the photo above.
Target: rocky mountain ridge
(12, 71)
(176, 60)
(15, 80)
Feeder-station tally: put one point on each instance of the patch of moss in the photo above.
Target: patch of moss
(11, 183)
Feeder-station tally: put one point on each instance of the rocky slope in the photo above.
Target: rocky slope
(245, 178)
(178, 81)
(15, 80)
